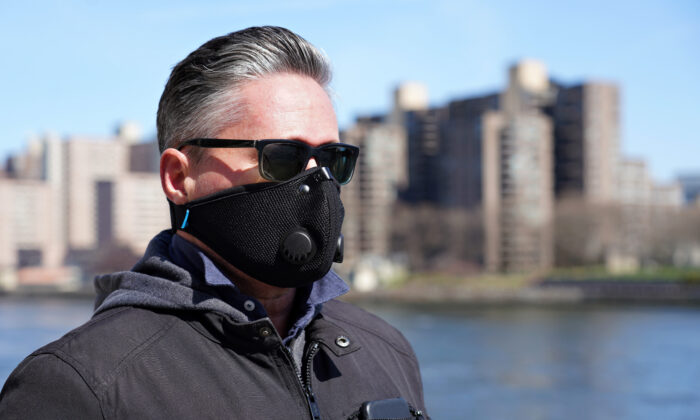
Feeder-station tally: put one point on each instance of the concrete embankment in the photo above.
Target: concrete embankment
(628, 290)
(493, 291)
(540, 292)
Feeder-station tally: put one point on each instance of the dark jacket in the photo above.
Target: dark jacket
(169, 347)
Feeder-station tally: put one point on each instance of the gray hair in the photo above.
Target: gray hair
(202, 98)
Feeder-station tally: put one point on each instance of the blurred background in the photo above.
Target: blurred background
(526, 207)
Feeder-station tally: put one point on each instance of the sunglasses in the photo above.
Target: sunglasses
(280, 160)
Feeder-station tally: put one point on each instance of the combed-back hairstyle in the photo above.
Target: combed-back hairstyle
(201, 97)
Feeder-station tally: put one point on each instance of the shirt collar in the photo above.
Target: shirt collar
(190, 257)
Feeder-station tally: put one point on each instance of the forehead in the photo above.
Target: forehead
(285, 106)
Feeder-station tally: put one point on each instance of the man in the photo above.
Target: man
(232, 314)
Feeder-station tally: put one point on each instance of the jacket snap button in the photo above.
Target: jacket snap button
(249, 305)
(265, 331)
(304, 189)
(342, 341)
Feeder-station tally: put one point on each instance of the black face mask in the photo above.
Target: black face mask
(286, 234)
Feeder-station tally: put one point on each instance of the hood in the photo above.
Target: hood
(157, 283)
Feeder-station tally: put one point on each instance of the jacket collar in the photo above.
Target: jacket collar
(259, 334)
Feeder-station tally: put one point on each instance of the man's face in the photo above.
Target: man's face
(280, 106)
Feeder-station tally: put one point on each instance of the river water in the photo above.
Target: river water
(496, 362)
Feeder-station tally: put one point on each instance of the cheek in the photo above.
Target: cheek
(216, 174)
(247, 176)
(208, 183)
(211, 182)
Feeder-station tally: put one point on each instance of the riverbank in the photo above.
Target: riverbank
(561, 287)
(80, 294)
(536, 289)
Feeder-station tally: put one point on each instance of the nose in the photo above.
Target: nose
(312, 163)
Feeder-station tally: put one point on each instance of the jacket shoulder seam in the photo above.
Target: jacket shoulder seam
(73, 334)
(77, 367)
(134, 352)
(109, 376)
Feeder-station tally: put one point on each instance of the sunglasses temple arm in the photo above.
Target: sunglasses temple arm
(216, 143)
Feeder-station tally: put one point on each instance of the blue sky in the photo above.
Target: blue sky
(80, 67)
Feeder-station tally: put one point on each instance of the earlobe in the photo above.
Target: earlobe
(174, 170)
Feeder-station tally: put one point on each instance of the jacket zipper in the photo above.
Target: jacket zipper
(310, 397)
(306, 384)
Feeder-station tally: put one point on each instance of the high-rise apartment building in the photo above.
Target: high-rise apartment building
(517, 174)
(586, 146)
(425, 139)
(28, 234)
(131, 210)
(69, 198)
(444, 153)
(503, 154)
(370, 197)
(634, 196)
(690, 183)
(492, 157)
(88, 161)
(27, 215)
(461, 158)
(645, 210)
(380, 174)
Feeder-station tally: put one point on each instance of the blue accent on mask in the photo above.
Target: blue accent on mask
(184, 222)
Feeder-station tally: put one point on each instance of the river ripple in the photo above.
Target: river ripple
(564, 362)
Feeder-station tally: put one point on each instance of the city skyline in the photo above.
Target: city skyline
(497, 171)
(109, 62)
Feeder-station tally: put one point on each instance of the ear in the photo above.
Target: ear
(174, 172)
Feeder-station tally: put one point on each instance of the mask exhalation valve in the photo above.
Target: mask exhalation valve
(298, 247)
(338, 257)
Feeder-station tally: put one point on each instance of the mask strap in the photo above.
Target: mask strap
(178, 216)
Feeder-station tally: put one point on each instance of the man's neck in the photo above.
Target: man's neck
(277, 301)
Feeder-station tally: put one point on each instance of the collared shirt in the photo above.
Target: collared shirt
(190, 257)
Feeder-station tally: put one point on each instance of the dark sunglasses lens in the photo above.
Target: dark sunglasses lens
(282, 161)
(340, 160)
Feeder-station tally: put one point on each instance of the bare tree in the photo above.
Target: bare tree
(438, 238)
(584, 232)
